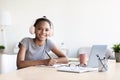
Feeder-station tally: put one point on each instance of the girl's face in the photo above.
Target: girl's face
(42, 30)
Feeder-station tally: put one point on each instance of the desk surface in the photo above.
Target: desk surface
(45, 73)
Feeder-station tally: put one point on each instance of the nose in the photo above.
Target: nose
(43, 31)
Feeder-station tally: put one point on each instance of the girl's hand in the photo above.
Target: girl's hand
(52, 62)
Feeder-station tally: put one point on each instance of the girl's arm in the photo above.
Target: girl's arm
(62, 58)
(21, 63)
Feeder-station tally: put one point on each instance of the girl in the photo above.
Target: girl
(33, 50)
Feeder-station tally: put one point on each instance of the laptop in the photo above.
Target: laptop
(96, 50)
(92, 64)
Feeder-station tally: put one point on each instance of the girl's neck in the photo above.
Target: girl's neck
(38, 42)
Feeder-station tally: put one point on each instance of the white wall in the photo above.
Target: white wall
(77, 22)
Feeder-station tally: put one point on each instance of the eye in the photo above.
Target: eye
(39, 28)
(47, 30)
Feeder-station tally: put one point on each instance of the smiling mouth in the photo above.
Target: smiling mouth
(42, 36)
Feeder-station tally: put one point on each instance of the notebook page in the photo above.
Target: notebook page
(76, 69)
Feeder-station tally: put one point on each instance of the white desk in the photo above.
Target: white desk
(45, 73)
(7, 62)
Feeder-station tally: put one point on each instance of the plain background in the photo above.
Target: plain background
(77, 23)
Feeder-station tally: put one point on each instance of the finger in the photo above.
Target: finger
(52, 62)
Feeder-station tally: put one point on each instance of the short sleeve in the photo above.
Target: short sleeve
(50, 43)
(25, 42)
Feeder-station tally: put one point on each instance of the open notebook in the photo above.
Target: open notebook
(92, 62)
(76, 69)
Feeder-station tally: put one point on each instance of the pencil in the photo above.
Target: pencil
(101, 61)
(48, 54)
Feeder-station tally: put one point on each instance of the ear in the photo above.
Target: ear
(51, 31)
(32, 30)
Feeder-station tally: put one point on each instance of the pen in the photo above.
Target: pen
(101, 61)
(48, 54)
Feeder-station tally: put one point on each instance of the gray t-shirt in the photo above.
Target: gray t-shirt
(34, 52)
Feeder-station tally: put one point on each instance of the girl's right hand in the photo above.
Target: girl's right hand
(52, 62)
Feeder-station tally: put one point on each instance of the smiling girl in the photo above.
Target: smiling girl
(33, 50)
